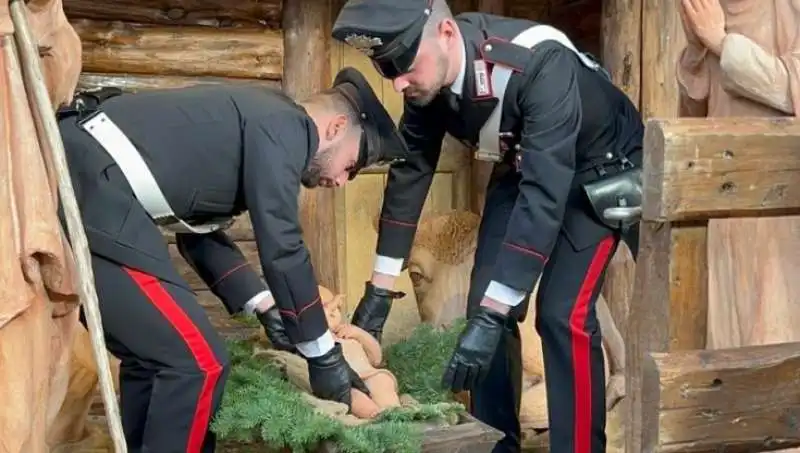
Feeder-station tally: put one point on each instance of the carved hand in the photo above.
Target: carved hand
(708, 22)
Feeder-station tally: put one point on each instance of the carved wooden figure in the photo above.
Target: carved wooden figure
(743, 60)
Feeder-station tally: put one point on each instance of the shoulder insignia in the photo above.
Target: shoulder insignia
(506, 53)
(363, 43)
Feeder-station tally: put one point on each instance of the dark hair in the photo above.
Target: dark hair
(335, 100)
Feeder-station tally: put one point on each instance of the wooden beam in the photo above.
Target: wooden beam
(669, 307)
(701, 168)
(662, 41)
(118, 47)
(137, 82)
(741, 399)
(219, 13)
(307, 47)
(622, 45)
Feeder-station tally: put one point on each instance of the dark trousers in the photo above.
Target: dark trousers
(173, 364)
(567, 323)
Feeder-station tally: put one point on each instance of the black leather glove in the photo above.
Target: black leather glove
(476, 347)
(273, 326)
(373, 309)
(331, 378)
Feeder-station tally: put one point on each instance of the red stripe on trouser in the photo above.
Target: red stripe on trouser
(581, 348)
(197, 345)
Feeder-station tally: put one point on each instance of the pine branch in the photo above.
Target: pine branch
(260, 405)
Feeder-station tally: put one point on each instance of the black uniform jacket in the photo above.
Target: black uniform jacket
(564, 117)
(216, 151)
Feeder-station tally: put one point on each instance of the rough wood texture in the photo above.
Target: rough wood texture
(306, 33)
(134, 82)
(117, 47)
(622, 44)
(668, 308)
(743, 399)
(698, 168)
(662, 41)
(218, 13)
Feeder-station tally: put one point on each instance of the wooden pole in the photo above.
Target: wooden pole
(622, 45)
(306, 70)
(49, 134)
(621, 50)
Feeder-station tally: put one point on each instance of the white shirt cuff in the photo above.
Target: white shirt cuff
(389, 266)
(318, 347)
(250, 305)
(504, 294)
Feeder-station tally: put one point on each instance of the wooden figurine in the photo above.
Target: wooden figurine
(742, 59)
(363, 352)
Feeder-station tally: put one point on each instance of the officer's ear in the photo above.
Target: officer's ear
(337, 127)
(448, 29)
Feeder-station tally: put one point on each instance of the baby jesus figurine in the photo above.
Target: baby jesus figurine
(364, 355)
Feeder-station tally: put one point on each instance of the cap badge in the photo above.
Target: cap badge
(363, 43)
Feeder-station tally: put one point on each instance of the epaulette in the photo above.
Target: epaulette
(497, 50)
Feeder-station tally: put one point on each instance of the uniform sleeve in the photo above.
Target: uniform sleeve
(551, 110)
(409, 181)
(222, 266)
(275, 152)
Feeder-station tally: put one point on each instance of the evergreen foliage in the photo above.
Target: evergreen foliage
(260, 405)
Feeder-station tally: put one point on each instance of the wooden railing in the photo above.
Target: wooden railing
(680, 396)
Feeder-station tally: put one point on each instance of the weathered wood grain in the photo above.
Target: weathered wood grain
(742, 399)
(662, 41)
(138, 82)
(668, 310)
(217, 13)
(700, 168)
(117, 47)
(307, 70)
(622, 44)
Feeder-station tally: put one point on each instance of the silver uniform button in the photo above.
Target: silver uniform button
(609, 156)
(487, 47)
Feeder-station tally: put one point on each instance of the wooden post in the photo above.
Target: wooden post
(622, 51)
(662, 41)
(622, 45)
(695, 170)
(306, 70)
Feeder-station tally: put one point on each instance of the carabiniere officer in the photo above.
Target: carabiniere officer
(567, 145)
(189, 160)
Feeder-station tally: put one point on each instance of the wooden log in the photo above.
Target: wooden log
(116, 47)
(662, 41)
(622, 44)
(217, 13)
(307, 56)
(742, 399)
(701, 168)
(134, 82)
(248, 248)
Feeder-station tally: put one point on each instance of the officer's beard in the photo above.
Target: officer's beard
(422, 96)
(312, 175)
